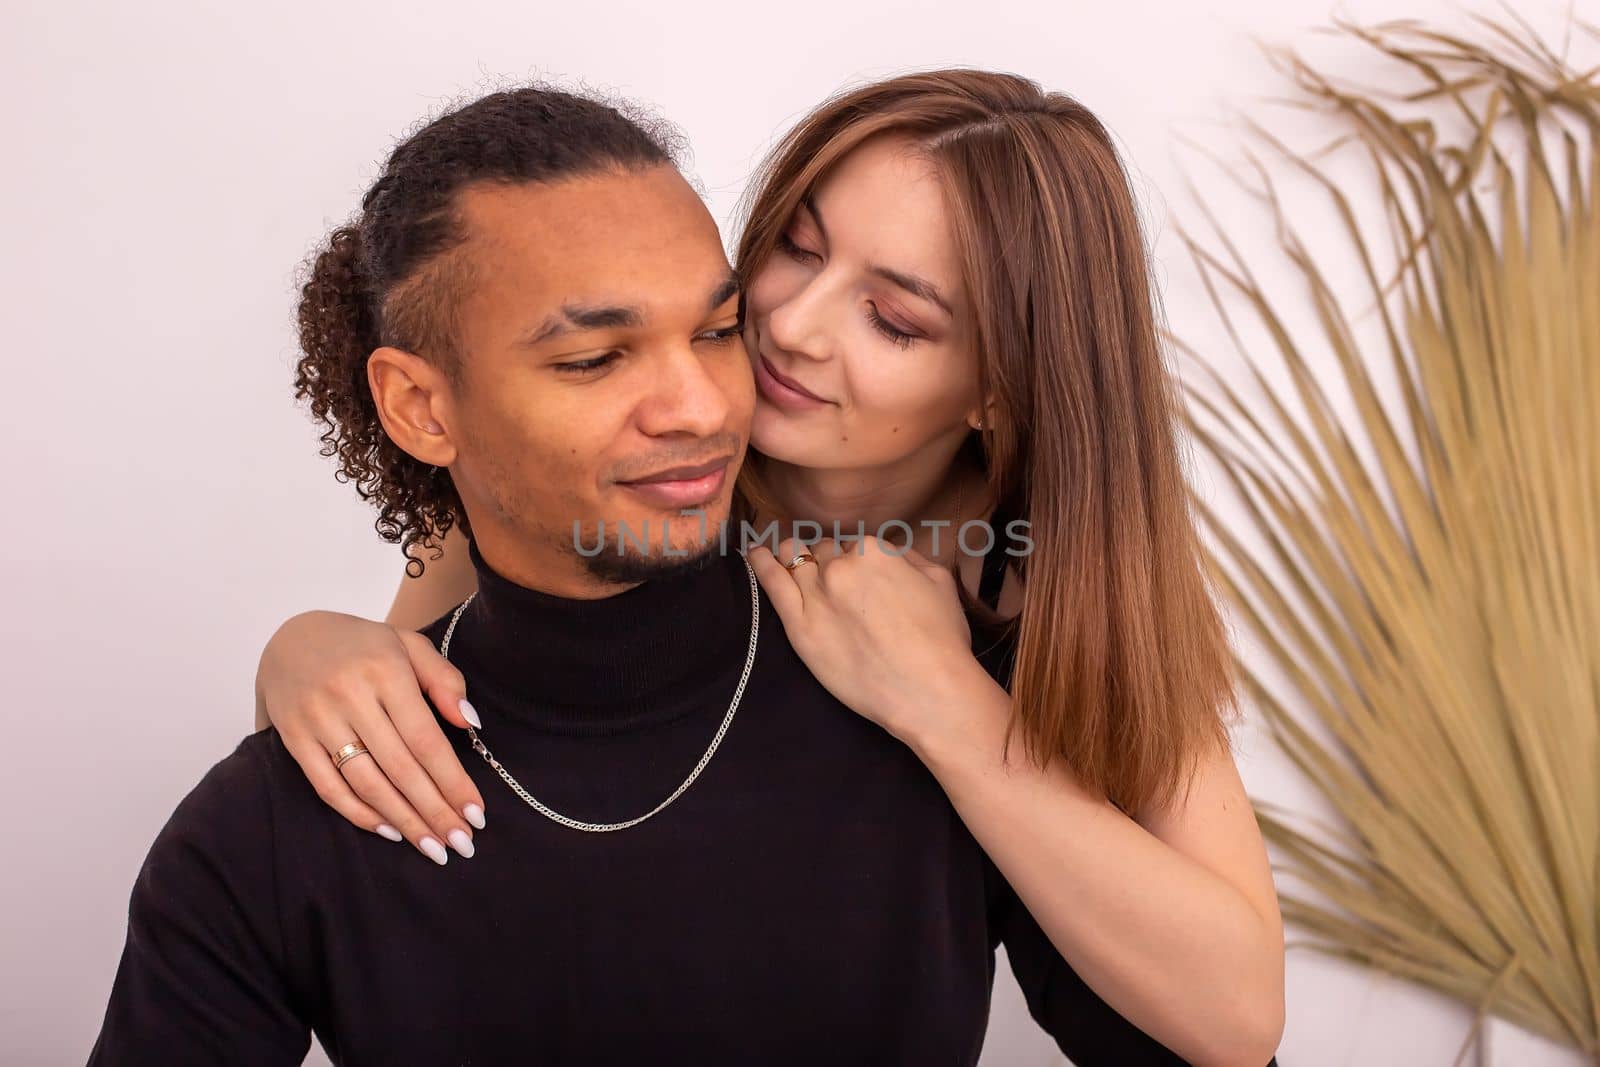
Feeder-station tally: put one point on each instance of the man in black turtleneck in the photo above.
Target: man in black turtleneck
(532, 327)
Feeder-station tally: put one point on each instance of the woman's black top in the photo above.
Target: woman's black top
(811, 898)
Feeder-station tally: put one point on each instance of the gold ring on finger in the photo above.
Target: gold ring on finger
(348, 753)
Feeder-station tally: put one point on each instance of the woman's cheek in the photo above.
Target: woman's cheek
(906, 397)
(771, 287)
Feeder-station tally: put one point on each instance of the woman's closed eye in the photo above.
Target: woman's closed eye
(897, 336)
(888, 329)
(790, 248)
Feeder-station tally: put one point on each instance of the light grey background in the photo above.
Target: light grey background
(168, 166)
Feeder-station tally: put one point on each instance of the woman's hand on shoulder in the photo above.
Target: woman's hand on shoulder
(880, 627)
(328, 680)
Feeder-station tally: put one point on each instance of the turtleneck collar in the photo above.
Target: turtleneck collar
(660, 650)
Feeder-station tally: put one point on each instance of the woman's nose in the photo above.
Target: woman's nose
(798, 324)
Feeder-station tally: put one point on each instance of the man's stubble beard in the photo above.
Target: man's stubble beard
(632, 566)
(627, 567)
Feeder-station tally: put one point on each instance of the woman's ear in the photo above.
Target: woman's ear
(978, 418)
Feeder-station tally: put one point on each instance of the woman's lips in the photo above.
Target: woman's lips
(681, 492)
(780, 392)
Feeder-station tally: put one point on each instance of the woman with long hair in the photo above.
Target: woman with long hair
(949, 318)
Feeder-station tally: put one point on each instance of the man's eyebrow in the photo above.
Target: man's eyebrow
(909, 282)
(574, 317)
(726, 291)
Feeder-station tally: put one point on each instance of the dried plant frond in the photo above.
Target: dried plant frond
(1429, 602)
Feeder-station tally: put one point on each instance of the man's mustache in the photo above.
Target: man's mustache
(707, 456)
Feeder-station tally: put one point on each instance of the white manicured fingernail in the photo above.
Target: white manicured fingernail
(434, 851)
(470, 713)
(390, 832)
(474, 815)
(461, 842)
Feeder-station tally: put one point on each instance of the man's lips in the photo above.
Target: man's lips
(678, 474)
(682, 487)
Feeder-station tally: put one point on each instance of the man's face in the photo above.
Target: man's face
(603, 379)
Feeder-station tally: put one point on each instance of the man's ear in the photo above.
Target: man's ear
(413, 401)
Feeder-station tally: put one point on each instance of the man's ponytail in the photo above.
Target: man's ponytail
(338, 332)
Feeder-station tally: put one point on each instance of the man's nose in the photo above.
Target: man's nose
(686, 397)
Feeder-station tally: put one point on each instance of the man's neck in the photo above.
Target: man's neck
(541, 565)
(641, 655)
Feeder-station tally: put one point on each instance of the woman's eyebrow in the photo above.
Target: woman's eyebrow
(909, 282)
(810, 204)
(914, 285)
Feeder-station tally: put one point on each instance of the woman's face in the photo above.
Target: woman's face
(858, 325)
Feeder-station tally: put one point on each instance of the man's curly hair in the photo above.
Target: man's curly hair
(394, 275)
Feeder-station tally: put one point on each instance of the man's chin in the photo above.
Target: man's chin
(634, 565)
(638, 547)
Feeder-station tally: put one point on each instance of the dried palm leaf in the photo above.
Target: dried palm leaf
(1430, 602)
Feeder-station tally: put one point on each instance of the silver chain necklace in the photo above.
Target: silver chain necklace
(601, 827)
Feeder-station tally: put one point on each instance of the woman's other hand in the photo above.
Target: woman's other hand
(881, 628)
(327, 680)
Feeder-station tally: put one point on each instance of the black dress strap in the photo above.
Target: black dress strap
(993, 575)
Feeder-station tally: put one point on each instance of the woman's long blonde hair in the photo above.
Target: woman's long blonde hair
(1122, 664)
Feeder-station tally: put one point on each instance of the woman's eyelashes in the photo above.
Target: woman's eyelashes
(897, 336)
(721, 336)
(888, 329)
(788, 247)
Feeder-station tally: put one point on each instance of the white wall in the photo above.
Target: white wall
(168, 167)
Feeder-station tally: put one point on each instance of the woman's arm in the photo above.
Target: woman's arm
(326, 680)
(1173, 920)
(444, 583)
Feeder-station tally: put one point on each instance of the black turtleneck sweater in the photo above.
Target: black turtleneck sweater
(812, 898)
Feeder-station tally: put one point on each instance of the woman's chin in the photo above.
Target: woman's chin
(777, 435)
